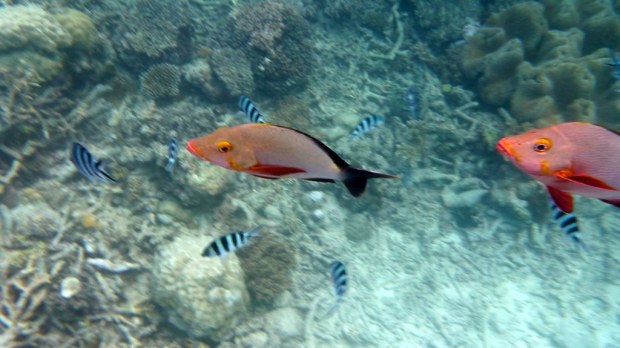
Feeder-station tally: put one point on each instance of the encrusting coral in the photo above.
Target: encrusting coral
(549, 58)
(268, 267)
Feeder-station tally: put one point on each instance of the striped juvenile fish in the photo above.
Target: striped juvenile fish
(88, 165)
(228, 243)
(568, 224)
(173, 150)
(249, 110)
(412, 102)
(338, 274)
(367, 124)
(615, 63)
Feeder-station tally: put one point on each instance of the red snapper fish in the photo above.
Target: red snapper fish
(276, 152)
(574, 157)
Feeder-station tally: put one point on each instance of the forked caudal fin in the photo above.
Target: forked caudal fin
(355, 179)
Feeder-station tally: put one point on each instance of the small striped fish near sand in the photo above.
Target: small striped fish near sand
(338, 275)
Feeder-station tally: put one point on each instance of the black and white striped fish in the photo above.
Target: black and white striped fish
(173, 150)
(338, 274)
(568, 224)
(367, 124)
(249, 110)
(88, 165)
(228, 243)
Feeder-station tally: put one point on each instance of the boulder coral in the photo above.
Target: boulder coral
(548, 59)
(202, 296)
(35, 41)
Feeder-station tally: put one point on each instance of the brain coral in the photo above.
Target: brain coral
(161, 80)
(548, 59)
(275, 38)
(203, 296)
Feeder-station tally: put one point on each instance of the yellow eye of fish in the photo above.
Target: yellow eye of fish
(224, 146)
(542, 145)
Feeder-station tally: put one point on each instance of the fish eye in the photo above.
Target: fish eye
(542, 145)
(224, 146)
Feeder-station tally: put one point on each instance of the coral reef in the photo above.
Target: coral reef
(233, 69)
(223, 77)
(268, 265)
(442, 23)
(151, 29)
(206, 297)
(199, 74)
(161, 81)
(275, 38)
(548, 59)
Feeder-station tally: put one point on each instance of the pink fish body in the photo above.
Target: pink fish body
(276, 152)
(574, 157)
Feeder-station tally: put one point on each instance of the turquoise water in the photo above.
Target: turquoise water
(459, 251)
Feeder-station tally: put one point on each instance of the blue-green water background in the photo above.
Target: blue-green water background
(460, 251)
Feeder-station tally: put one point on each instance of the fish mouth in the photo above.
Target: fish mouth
(192, 149)
(503, 148)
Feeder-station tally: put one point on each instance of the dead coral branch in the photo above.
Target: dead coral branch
(21, 298)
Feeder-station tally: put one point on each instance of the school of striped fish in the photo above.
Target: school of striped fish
(269, 151)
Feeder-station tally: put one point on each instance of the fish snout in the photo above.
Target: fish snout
(503, 147)
(191, 147)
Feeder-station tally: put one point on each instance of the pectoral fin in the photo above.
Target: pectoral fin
(563, 200)
(273, 170)
(587, 180)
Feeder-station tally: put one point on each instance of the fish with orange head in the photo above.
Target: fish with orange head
(569, 158)
(277, 152)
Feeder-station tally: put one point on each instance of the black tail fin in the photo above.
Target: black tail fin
(355, 179)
